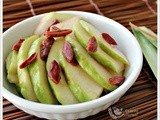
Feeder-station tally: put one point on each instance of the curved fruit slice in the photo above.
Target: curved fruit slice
(98, 73)
(83, 37)
(11, 66)
(68, 24)
(48, 20)
(38, 75)
(102, 43)
(61, 90)
(25, 83)
(80, 83)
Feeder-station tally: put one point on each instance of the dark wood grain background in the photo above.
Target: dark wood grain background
(142, 96)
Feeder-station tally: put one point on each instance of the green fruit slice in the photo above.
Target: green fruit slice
(68, 24)
(11, 66)
(38, 75)
(80, 83)
(61, 90)
(25, 83)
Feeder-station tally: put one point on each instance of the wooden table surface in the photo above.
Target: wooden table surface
(140, 101)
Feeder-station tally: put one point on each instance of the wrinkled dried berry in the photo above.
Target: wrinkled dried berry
(68, 53)
(45, 48)
(92, 45)
(55, 72)
(18, 44)
(117, 80)
(28, 61)
(61, 33)
(109, 39)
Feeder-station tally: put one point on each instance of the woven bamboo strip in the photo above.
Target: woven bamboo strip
(14, 115)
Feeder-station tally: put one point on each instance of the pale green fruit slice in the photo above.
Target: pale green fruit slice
(38, 74)
(61, 90)
(81, 84)
(11, 66)
(68, 24)
(48, 20)
(25, 83)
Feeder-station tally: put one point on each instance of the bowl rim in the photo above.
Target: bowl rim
(18, 101)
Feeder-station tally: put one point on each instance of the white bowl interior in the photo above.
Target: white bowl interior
(126, 43)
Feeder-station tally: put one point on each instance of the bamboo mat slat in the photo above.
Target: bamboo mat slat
(124, 11)
(142, 96)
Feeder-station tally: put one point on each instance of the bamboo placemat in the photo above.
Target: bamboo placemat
(140, 101)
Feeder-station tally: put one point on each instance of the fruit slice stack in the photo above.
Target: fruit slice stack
(67, 61)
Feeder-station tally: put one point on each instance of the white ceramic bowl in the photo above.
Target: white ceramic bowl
(126, 43)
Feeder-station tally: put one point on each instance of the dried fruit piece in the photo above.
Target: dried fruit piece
(68, 53)
(61, 33)
(117, 80)
(28, 61)
(55, 21)
(109, 39)
(45, 48)
(54, 72)
(92, 44)
(17, 45)
(55, 29)
(74, 62)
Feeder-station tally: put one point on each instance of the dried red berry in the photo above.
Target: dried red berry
(55, 29)
(17, 45)
(109, 39)
(69, 54)
(117, 80)
(28, 61)
(61, 33)
(55, 21)
(92, 44)
(74, 62)
(45, 48)
(55, 72)
(67, 51)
